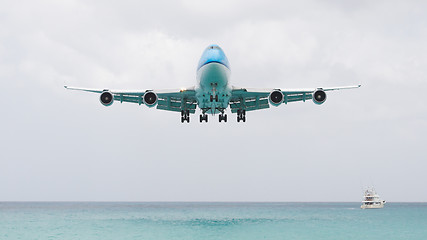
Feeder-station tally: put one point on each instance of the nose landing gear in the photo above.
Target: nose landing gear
(212, 98)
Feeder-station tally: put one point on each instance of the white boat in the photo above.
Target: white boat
(372, 199)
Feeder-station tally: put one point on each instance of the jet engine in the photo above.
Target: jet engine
(150, 99)
(106, 98)
(319, 96)
(275, 98)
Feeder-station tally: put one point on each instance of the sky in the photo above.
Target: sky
(59, 145)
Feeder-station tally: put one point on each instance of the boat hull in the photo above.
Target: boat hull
(373, 206)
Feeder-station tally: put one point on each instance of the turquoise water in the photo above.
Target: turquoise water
(211, 221)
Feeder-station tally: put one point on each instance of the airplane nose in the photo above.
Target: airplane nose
(213, 53)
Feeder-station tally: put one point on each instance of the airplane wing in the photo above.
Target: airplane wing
(169, 100)
(254, 99)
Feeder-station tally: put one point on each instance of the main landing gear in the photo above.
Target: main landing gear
(203, 117)
(185, 116)
(223, 117)
(241, 115)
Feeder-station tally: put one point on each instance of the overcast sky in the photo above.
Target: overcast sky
(59, 145)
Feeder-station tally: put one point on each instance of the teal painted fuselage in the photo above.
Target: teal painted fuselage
(213, 90)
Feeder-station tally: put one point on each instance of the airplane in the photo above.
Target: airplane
(213, 93)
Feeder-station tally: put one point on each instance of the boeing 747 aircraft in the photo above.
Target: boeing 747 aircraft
(213, 93)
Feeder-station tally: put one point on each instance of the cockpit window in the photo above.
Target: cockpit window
(214, 47)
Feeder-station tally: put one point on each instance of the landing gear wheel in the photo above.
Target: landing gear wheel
(241, 115)
(211, 98)
(223, 117)
(216, 98)
(203, 117)
(185, 116)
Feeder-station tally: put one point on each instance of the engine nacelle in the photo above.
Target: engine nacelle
(150, 99)
(319, 96)
(275, 98)
(106, 98)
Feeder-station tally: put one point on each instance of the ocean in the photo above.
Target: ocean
(174, 221)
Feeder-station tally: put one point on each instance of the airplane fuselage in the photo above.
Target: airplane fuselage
(213, 89)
